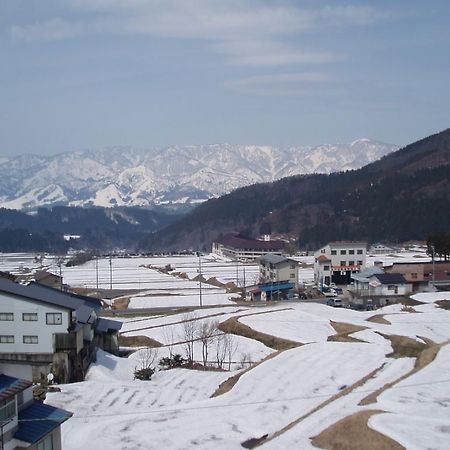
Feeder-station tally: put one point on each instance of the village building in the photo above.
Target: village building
(424, 276)
(27, 423)
(241, 248)
(275, 268)
(44, 330)
(337, 261)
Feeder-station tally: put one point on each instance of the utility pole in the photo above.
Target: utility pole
(432, 259)
(96, 273)
(200, 278)
(237, 273)
(110, 273)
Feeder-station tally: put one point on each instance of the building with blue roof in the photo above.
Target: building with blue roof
(25, 422)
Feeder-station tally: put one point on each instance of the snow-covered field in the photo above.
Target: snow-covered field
(292, 396)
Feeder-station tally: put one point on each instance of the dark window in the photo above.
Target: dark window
(30, 339)
(326, 267)
(54, 318)
(351, 252)
(7, 316)
(29, 317)
(360, 263)
(6, 339)
(351, 263)
(343, 252)
(333, 252)
(343, 263)
(414, 275)
(360, 252)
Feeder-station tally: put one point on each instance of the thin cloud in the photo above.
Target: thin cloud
(292, 84)
(246, 32)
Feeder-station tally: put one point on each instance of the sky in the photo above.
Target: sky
(86, 74)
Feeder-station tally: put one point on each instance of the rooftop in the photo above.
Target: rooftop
(390, 278)
(38, 420)
(242, 243)
(276, 259)
(10, 386)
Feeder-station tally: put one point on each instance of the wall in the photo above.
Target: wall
(18, 328)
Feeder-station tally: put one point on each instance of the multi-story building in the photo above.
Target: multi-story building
(45, 330)
(25, 422)
(274, 268)
(243, 249)
(337, 261)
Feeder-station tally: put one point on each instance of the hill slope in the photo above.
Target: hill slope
(405, 195)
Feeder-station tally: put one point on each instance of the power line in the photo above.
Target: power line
(238, 404)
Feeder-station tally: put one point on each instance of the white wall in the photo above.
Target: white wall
(22, 371)
(19, 328)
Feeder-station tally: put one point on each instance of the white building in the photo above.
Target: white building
(275, 268)
(243, 249)
(44, 330)
(337, 261)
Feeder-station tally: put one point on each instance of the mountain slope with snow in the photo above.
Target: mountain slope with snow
(178, 174)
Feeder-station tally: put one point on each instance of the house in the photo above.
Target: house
(380, 249)
(337, 261)
(360, 281)
(266, 292)
(241, 248)
(45, 330)
(27, 423)
(278, 268)
(387, 284)
(424, 276)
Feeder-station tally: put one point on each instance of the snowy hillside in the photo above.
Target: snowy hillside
(178, 174)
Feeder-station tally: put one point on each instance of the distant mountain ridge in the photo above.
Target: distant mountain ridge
(404, 195)
(173, 175)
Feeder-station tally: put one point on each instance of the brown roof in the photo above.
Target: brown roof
(323, 258)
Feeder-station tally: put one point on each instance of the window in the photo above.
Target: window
(343, 252)
(351, 252)
(343, 263)
(30, 339)
(46, 443)
(6, 339)
(29, 317)
(326, 267)
(360, 252)
(54, 318)
(292, 275)
(351, 263)
(414, 275)
(391, 287)
(333, 252)
(292, 266)
(6, 316)
(7, 409)
(360, 263)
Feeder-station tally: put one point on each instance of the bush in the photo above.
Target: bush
(143, 374)
(169, 363)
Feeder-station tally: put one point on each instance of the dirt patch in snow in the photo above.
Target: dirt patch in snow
(138, 341)
(233, 326)
(353, 433)
(121, 303)
(343, 331)
(379, 318)
(425, 354)
(444, 304)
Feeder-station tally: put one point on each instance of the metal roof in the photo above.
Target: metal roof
(38, 420)
(104, 325)
(363, 277)
(275, 259)
(10, 386)
(276, 287)
(390, 278)
(41, 293)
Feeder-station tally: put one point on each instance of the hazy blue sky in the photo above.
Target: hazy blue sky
(78, 74)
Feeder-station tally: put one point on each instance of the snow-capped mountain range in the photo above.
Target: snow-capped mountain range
(173, 175)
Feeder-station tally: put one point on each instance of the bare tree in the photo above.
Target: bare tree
(221, 349)
(169, 339)
(207, 332)
(231, 347)
(146, 358)
(189, 334)
(245, 360)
